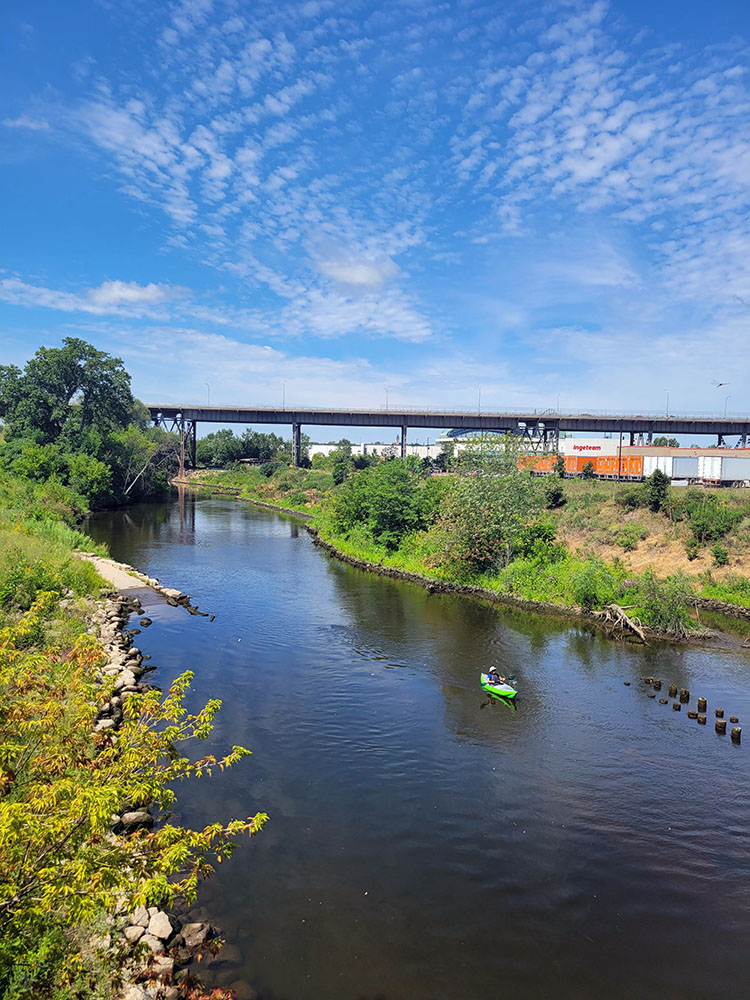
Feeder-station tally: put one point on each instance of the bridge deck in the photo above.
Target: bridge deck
(601, 421)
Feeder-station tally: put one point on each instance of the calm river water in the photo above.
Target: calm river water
(423, 844)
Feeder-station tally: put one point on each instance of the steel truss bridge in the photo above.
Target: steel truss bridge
(539, 429)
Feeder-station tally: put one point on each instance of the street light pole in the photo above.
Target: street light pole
(667, 413)
(726, 400)
(386, 398)
(479, 399)
(283, 394)
(208, 394)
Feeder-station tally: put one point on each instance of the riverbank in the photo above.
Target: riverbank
(729, 625)
(89, 867)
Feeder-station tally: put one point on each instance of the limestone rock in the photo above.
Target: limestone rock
(136, 819)
(195, 935)
(140, 916)
(160, 926)
(163, 965)
(134, 992)
(134, 933)
(104, 724)
(145, 622)
(154, 943)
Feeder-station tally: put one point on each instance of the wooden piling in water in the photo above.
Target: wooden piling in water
(701, 720)
(663, 701)
(719, 713)
(657, 685)
(692, 714)
(626, 683)
(672, 690)
(721, 726)
(701, 704)
(684, 696)
(651, 694)
(676, 706)
(734, 718)
(736, 734)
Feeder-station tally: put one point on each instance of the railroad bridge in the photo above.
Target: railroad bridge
(539, 428)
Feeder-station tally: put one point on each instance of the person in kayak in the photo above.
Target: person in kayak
(494, 677)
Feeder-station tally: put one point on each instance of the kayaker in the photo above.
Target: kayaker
(494, 677)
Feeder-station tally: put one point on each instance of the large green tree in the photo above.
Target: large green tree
(487, 509)
(66, 393)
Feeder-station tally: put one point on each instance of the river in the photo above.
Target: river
(422, 843)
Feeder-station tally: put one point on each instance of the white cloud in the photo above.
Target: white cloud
(24, 121)
(125, 297)
(360, 273)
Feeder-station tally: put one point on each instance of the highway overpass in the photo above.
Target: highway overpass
(541, 427)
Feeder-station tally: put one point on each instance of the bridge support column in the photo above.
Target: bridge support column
(194, 444)
(403, 442)
(632, 439)
(296, 444)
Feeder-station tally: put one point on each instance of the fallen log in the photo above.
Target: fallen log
(616, 619)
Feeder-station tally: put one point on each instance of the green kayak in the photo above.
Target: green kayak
(497, 690)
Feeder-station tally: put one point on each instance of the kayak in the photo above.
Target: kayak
(497, 690)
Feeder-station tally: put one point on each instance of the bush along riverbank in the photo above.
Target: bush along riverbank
(560, 545)
(90, 752)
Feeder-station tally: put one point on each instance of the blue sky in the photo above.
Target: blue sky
(326, 199)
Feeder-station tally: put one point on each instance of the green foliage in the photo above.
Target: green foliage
(536, 542)
(594, 585)
(554, 494)
(269, 468)
(665, 442)
(59, 866)
(588, 471)
(390, 498)
(656, 490)
(65, 392)
(489, 504)
(720, 554)
(630, 534)
(664, 604)
(632, 498)
(734, 589)
(692, 548)
(559, 466)
(342, 464)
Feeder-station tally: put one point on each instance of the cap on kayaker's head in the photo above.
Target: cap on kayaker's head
(493, 670)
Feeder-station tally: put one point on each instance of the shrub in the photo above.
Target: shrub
(554, 494)
(632, 498)
(720, 554)
(692, 548)
(656, 489)
(630, 534)
(665, 604)
(268, 468)
(593, 585)
(588, 471)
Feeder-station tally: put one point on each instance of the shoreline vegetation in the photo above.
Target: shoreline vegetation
(582, 549)
(92, 870)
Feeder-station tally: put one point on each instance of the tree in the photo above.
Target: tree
(665, 442)
(260, 447)
(342, 464)
(656, 489)
(66, 392)
(489, 504)
(588, 471)
(59, 863)
(559, 467)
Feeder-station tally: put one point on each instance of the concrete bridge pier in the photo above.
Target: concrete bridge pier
(403, 441)
(296, 444)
